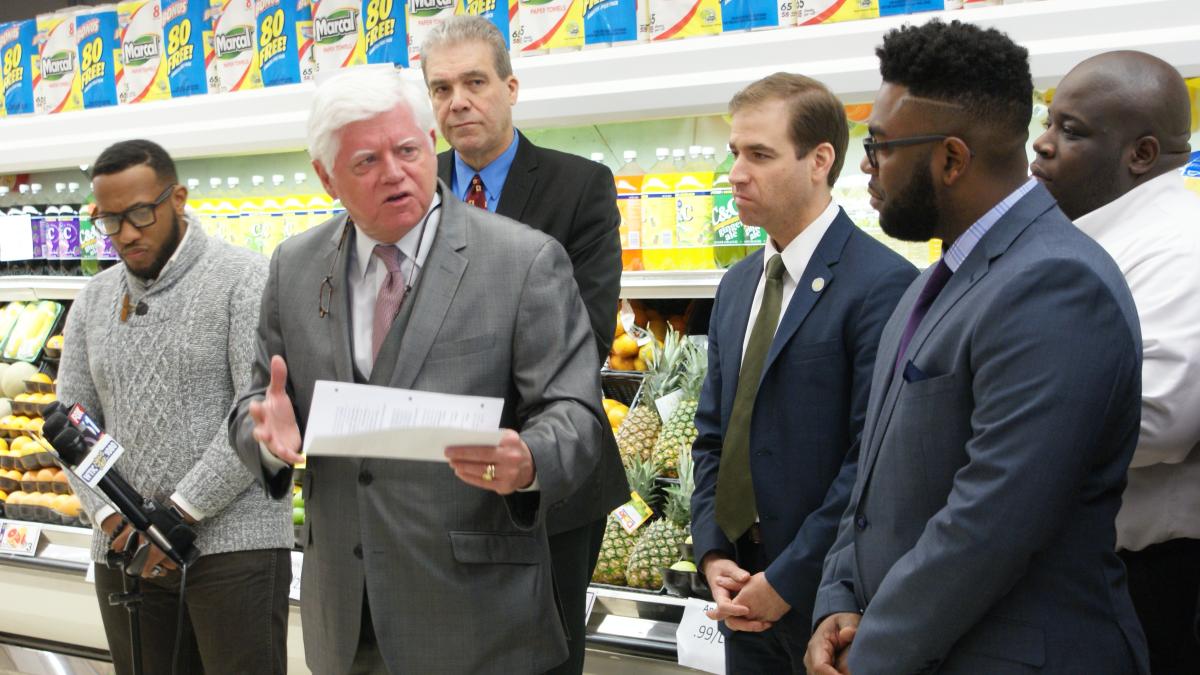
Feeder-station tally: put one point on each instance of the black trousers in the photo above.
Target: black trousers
(1164, 580)
(235, 619)
(573, 556)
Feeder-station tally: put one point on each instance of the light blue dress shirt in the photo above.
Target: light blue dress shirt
(493, 175)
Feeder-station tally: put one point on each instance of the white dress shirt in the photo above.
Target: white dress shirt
(364, 285)
(365, 281)
(1152, 232)
(795, 259)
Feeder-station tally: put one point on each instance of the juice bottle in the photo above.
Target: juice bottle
(728, 236)
(44, 218)
(658, 212)
(274, 221)
(89, 238)
(68, 226)
(295, 213)
(629, 202)
(227, 216)
(693, 213)
(252, 222)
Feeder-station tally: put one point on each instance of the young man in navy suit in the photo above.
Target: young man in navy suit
(791, 349)
(1004, 409)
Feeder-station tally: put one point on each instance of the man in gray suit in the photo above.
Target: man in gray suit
(415, 567)
(1004, 409)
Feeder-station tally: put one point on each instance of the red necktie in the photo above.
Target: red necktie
(391, 294)
(475, 194)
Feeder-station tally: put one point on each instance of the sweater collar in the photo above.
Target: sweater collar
(190, 249)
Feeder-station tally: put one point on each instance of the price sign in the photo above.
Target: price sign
(297, 568)
(591, 602)
(20, 539)
(698, 640)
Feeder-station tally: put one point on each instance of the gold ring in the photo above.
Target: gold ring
(489, 474)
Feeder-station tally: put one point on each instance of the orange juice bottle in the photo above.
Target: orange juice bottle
(629, 202)
(658, 213)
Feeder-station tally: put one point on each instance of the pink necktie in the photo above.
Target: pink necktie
(391, 294)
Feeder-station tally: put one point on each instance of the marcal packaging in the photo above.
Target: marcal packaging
(894, 7)
(58, 89)
(385, 32)
(499, 12)
(550, 24)
(612, 21)
(831, 11)
(20, 67)
(338, 34)
(423, 17)
(235, 45)
(284, 52)
(673, 19)
(738, 15)
(185, 31)
(144, 77)
(98, 42)
(353, 32)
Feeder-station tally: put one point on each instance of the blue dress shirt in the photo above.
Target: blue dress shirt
(493, 175)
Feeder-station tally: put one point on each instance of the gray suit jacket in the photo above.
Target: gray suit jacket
(458, 578)
(980, 534)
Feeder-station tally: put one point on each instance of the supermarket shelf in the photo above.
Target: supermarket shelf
(636, 82)
(648, 285)
(639, 285)
(40, 287)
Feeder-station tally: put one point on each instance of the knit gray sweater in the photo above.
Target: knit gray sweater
(162, 382)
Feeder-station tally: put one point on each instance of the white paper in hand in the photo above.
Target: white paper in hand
(698, 640)
(361, 420)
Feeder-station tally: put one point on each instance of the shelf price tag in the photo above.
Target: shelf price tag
(20, 539)
(297, 568)
(698, 640)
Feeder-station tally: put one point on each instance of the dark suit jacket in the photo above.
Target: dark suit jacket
(573, 200)
(979, 536)
(810, 404)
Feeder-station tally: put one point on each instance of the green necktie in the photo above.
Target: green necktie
(735, 489)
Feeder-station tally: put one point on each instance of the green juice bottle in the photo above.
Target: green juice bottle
(728, 233)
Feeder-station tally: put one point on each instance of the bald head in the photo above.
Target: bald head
(1116, 121)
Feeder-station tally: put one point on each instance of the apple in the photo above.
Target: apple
(298, 516)
(684, 566)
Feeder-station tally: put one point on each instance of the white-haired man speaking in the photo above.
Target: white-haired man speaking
(420, 567)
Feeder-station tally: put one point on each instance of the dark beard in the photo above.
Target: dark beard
(170, 244)
(913, 214)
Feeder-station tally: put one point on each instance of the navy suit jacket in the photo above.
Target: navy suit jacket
(810, 405)
(979, 537)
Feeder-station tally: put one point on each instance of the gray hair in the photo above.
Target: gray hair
(469, 28)
(357, 94)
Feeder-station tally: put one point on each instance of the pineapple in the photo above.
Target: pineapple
(658, 546)
(637, 434)
(618, 544)
(679, 430)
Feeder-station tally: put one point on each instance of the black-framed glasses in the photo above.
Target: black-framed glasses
(872, 146)
(140, 216)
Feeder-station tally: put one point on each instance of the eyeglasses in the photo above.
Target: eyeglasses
(140, 216)
(872, 146)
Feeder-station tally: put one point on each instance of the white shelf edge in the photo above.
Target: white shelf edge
(40, 287)
(635, 82)
(634, 286)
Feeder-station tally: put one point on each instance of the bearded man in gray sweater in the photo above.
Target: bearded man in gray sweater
(157, 349)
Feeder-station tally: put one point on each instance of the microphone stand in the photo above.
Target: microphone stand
(131, 599)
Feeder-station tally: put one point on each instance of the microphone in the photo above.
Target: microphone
(160, 524)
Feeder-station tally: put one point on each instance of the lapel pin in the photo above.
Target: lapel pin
(818, 284)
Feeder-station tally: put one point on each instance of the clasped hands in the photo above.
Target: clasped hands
(503, 468)
(745, 602)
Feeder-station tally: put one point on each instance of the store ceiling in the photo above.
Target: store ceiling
(11, 10)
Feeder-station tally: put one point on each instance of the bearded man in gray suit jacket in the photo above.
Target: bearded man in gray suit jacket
(416, 567)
